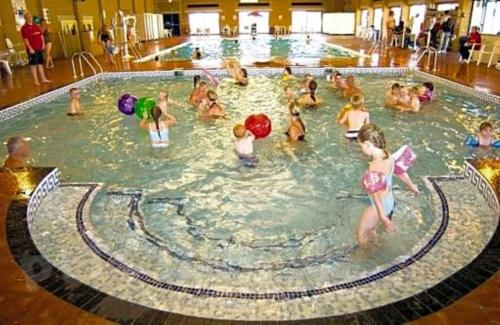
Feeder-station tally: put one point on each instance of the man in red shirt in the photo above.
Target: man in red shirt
(474, 40)
(33, 38)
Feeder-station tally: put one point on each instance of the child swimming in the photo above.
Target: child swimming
(426, 92)
(158, 128)
(337, 82)
(163, 102)
(289, 94)
(296, 130)
(287, 74)
(484, 137)
(310, 99)
(199, 93)
(243, 145)
(351, 88)
(393, 95)
(304, 88)
(356, 117)
(239, 74)
(209, 106)
(377, 182)
(74, 105)
(413, 104)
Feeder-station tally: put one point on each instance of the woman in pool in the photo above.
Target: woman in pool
(297, 129)
(158, 128)
(210, 108)
(199, 93)
(310, 99)
(377, 182)
(352, 87)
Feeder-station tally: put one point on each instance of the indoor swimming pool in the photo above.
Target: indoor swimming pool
(176, 229)
(263, 47)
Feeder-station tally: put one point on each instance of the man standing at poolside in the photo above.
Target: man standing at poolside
(35, 44)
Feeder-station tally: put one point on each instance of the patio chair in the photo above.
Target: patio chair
(473, 51)
(20, 56)
(495, 50)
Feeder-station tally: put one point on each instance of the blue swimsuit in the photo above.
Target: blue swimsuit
(388, 200)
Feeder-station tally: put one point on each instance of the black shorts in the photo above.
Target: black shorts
(35, 58)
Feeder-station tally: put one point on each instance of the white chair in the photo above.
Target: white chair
(495, 50)
(20, 57)
(4, 56)
(473, 50)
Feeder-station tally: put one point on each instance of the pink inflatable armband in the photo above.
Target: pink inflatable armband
(374, 181)
(213, 79)
(404, 158)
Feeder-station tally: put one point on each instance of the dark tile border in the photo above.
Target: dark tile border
(71, 290)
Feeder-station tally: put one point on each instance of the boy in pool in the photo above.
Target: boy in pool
(74, 105)
(414, 103)
(356, 117)
(244, 145)
(392, 95)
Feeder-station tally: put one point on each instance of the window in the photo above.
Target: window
(417, 16)
(377, 18)
(259, 18)
(486, 15)
(364, 17)
(204, 23)
(397, 14)
(19, 7)
(447, 6)
(306, 21)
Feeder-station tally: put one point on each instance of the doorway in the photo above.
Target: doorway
(172, 23)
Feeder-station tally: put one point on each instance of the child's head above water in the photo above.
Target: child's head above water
(239, 131)
(357, 101)
(395, 87)
(203, 84)
(371, 136)
(163, 95)
(350, 80)
(288, 70)
(428, 85)
(414, 91)
(486, 129)
(212, 96)
(74, 92)
(196, 80)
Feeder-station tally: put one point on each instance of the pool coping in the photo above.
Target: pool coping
(21, 213)
(19, 108)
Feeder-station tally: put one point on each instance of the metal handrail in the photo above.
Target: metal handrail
(427, 49)
(85, 55)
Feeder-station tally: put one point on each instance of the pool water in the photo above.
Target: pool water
(298, 208)
(263, 47)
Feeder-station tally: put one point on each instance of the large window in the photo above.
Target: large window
(306, 21)
(364, 18)
(259, 18)
(447, 6)
(378, 17)
(397, 14)
(19, 7)
(417, 16)
(204, 23)
(486, 15)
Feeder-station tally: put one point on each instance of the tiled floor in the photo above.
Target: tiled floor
(22, 301)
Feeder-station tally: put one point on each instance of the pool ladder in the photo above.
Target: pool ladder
(89, 59)
(427, 49)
